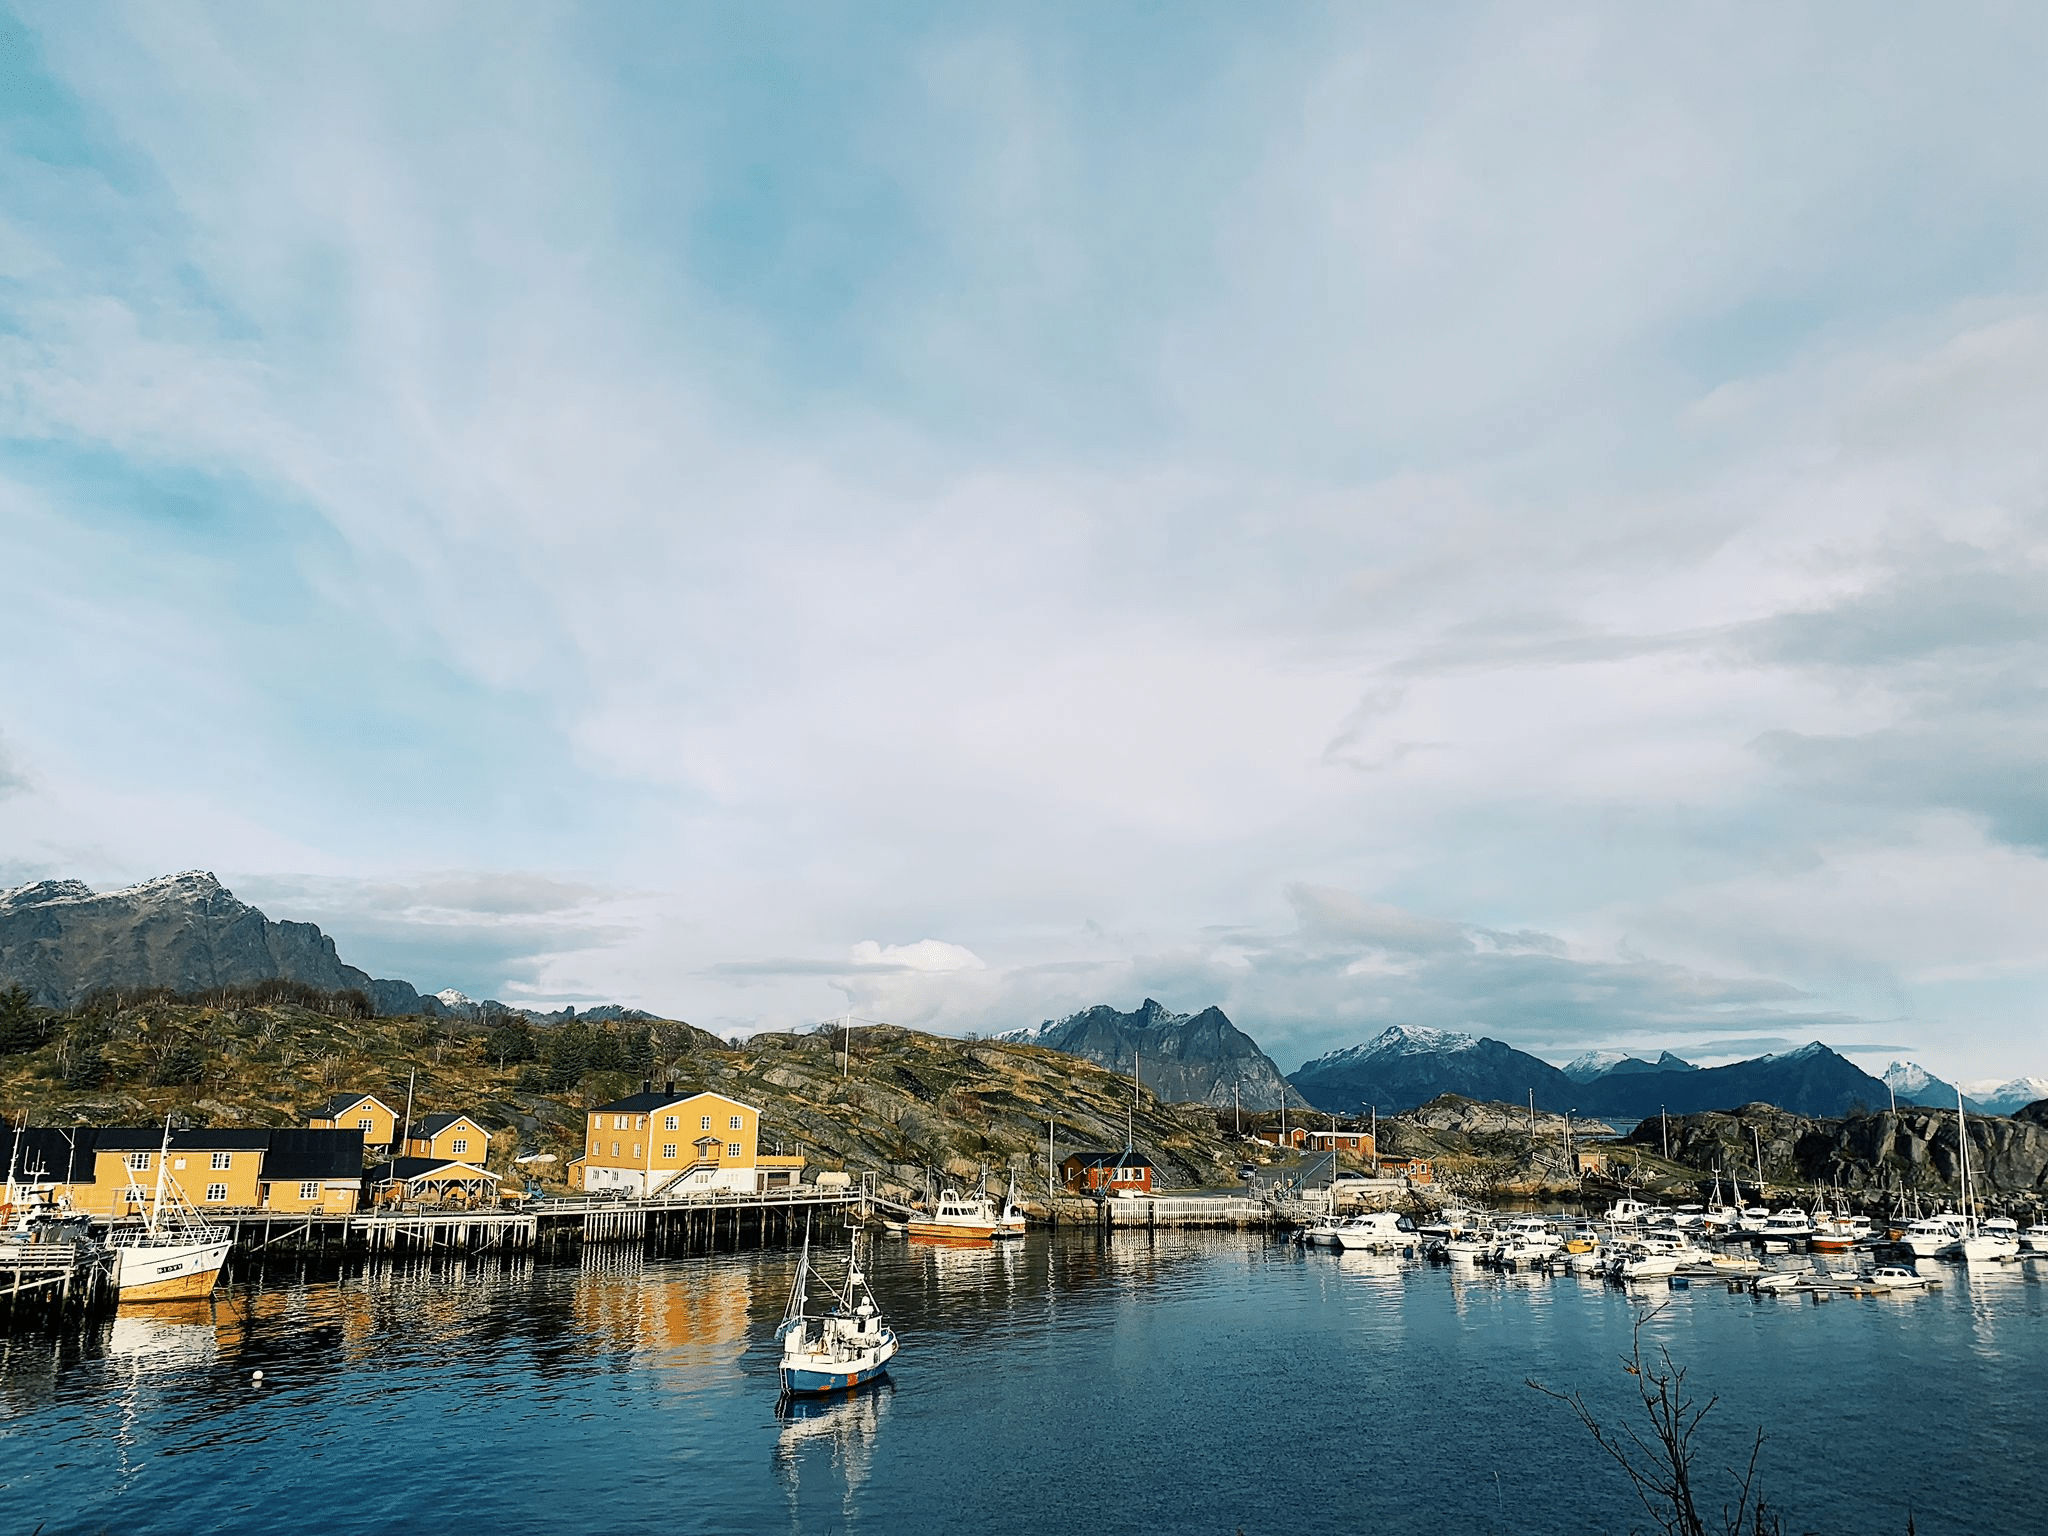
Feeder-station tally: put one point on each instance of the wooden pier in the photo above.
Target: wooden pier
(53, 1278)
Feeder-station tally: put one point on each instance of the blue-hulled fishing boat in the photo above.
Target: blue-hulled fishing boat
(847, 1346)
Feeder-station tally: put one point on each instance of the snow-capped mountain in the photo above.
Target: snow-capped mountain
(1588, 1065)
(2008, 1097)
(1914, 1084)
(1404, 1066)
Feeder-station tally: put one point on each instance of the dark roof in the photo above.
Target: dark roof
(45, 1152)
(314, 1155)
(148, 1138)
(342, 1103)
(412, 1167)
(1110, 1159)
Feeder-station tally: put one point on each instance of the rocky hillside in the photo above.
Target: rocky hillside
(910, 1102)
(1915, 1149)
(63, 941)
(1199, 1058)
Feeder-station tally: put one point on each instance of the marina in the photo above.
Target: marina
(150, 1421)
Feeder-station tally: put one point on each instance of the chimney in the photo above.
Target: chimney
(647, 1085)
(671, 1085)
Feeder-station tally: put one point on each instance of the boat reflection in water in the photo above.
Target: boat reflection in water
(832, 1439)
(167, 1335)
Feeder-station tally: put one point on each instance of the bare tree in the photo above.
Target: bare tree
(1658, 1460)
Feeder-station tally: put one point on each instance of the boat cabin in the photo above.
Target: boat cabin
(1107, 1173)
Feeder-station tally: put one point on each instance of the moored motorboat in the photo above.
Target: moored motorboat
(1897, 1277)
(1376, 1232)
(851, 1346)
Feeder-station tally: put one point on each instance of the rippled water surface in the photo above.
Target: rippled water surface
(1186, 1382)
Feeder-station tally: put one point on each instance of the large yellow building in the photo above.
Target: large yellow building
(113, 1171)
(443, 1137)
(363, 1112)
(656, 1143)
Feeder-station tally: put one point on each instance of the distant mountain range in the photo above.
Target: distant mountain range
(1403, 1067)
(1184, 1058)
(64, 941)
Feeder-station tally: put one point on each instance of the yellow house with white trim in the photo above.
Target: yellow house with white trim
(363, 1112)
(448, 1137)
(656, 1143)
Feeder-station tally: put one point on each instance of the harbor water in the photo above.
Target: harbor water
(1141, 1382)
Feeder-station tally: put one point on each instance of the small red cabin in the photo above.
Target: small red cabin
(1105, 1173)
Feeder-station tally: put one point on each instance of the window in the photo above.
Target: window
(636, 1151)
(639, 1122)
(139, 1161)
(668, 1122)
(702, 1125)
(366, 1125)
(593, 1149)
(734, 1122)
(310, 1190)
(668, 1148)
(216, 1191)
(618, 1122)
(732, 1149)
(459, 1145)
(223, 1160)
(615, 1149)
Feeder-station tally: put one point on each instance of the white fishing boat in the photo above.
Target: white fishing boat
(955, 1217)
(1011, 1223)
(850, 1344)
(171, 1254)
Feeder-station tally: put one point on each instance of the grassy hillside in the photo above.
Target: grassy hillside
(901, 1103)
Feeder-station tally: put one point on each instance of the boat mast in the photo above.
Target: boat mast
(163, 1160)
(1963, 1145)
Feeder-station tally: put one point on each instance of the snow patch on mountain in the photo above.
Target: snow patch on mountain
(1399, 1040)
(1588, 1065)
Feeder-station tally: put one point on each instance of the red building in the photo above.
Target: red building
(1105, 1173)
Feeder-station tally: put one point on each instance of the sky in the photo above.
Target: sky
(1522, 519)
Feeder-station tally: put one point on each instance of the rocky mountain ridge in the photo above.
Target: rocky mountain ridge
(1199, 1058)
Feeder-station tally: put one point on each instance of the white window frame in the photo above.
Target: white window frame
(732, 1149)
(459, 1145)
(704, 1124)
(222, 1161)
(668, 1122)
(734, 1122)
(668, 1151)
(215, 1193)
(366, 1125)
(309, 1189)
(139, 1162)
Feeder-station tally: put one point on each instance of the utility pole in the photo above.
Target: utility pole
(1236, 1115)
(1664, 1121)
(846, 1070)
(1532, 1120)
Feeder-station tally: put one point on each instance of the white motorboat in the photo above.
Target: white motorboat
(955, 1217)
(1752, 1218)
(1376, 1232)
(1777, 1282)
(1788, 1225)
(1897, 1277)
(1629, 1213)
(1932, 1236)
(2035, 1238)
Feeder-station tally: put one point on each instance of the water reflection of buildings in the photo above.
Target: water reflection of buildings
(833, 1438)
(685, 1319)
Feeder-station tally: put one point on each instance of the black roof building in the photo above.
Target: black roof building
(314, 1155)
(342, 1103)
(43, 1154)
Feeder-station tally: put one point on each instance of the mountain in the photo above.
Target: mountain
(1183, 1058)
(2007, 1098)
(1912, 1083)
(1595, 1064)
(1812, 1080)
(1403, 1067)
(62, 940)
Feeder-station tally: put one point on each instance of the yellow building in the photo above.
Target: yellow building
(363, 1112)
(443, 1137)
(657, 1143)
(433, 1181)
(212, 1170)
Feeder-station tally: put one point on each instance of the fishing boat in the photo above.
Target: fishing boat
(958, 1218)
(171, 1254)
(1011, 1222)
(849, 1345)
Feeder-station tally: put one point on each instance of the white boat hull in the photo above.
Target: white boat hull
(168, 1271)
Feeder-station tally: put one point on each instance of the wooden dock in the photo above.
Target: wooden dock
(53, 1278)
